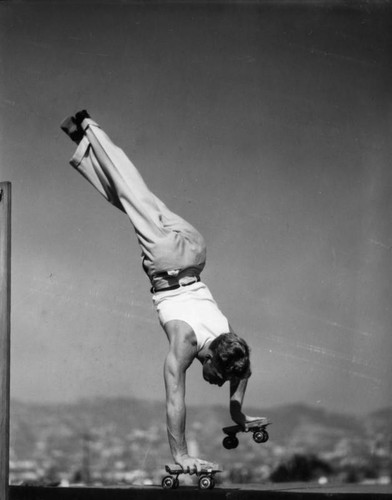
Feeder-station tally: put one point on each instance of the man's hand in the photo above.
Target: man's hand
(244, 420)
(193, 465)
(240, 418)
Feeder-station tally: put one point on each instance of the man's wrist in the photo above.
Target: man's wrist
(238, 416)
(236, 411)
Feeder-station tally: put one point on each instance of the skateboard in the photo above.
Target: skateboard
(258, 427)
(206, 479)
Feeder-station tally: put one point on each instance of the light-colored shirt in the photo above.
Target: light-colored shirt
(195, 305)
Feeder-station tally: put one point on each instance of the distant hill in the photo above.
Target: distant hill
(126, 415)
(132, 433)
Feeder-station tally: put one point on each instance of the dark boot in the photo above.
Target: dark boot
(80, 116)
(72, 129)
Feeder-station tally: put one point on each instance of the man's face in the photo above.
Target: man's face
(212, 374)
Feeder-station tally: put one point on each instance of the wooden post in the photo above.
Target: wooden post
(5, 337)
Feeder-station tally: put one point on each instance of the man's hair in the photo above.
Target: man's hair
(231, 355)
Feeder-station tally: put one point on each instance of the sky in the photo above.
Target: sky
(266, 125)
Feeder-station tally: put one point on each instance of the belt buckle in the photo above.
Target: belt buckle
(194, 280)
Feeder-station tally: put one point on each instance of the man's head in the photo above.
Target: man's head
(228, 358)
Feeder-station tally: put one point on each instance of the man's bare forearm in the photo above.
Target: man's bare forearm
(175, 419)
(175, 404)
(237, 393)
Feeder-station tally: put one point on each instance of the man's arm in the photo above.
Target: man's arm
(175, 406)
(237, 393)
(181, 354)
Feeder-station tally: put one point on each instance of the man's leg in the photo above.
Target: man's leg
(167, 240)
(86, 163)
(107, 167)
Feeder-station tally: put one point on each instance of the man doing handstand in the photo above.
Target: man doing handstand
(173, 256)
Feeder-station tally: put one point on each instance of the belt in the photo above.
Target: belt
(174, 287)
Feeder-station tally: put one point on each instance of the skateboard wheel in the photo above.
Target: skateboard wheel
(206, 483)
(168, 482)
(261, 436)
(230, 442)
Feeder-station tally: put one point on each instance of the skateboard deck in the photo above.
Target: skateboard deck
(257, 427)
(177, 469)
(256, 424)
(206, 480)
